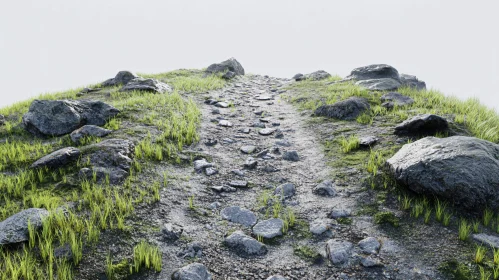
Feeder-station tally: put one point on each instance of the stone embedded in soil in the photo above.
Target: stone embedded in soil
(276, 277)
(397, 99)
(210, 171)
(229, 75)
(222, 105)
(339, 251)
(325, 188)
(412, 82)
(147, 85)
(320, 226)
(269, 228)
(245, 130)
(245, 245)
(171, 232)
(210, 142)
(88, 130)
(250, 163)
(238, 172)
(239, 215)
(266, 131)
(238, 183)
(486, 239)
(259, 125)
(370, 262)
(340, 213)
(225, 123)
(192, 250)
(223, 188)
(263, 97)
(193, 271)
(122, 78)
(367, 141)
(369, 245)
(422, 125)
(379, 84)
(278, 134)
(283, 143)
(63, 252)
(59, 158)
(285, 190)
(249, 149)
(228, 141)
(14, 229)
(201, 164)
(291, 156)
(348, 109)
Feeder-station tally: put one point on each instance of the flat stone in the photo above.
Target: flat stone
(222, 105)
(245, 130)
(57, 159)
(147, 85)
(367, 141)
(263, 97)
(14, 229)
(339, 251)
(266, 131)
(88, 130)
(486, 239)
(285, 190)
(369, 262)
(193, 271)
(320, 226)
(369, 245)
(248, 149)
(238, 172)
(397, 99)
(225, 123)
(201, 164)
(238, 184)
(422, 125)
(239, 215)
(325, 188)
(379, 84)
(210, 171)
(291, 156)
(171, 232)
(283, 143)
(340, 213)
(250, 163)
(245, 245)
(269, 228)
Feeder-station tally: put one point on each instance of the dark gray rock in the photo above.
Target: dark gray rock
(148, 85)
(230, 64)
(367, 141)
(210, 142)
(348, 109)
(325, 188)
(222, 105)
(285, 190)
(447, 168)
(193, 250)
(374, 71)
(369, 245)
(412, 82)
(59, 158)
(283, 143)
(14, 229)
(202, 164)
(229, 75)
(245, 245)
(239, 215)
(63, 252)
(122, 78)
(210, 171)
(238, 183)
(59, 117)
(250, 163)
(340, 213)
(370, 262)
(171, 232)
(193, 271)
(489, 240)
(379, 84)
(291, 156)
(422, 125)
(299, 77)
(2, 120)
(397, 99)
(318, 75)
(320, 226)
(276, 277)
(88, 130)
(339, 251)
(269, 228)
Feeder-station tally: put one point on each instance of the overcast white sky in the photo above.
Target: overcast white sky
(54, 45)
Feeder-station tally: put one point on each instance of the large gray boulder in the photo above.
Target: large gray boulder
(148, 85)
(88, 130)
(245, 245)
(422, 125)
(317, 75)
(348, 109)
(193, 271)
(269, 228)
(59, 117)
(122, 78)
(412, 82)
(230, 64)
(239, 215)
(110, 158)
(15, 228)
(374, 72)
(379, 84)
(59, 158)
(460, 169)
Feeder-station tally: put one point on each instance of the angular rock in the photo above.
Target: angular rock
(230, 64)
(447, 168)
(225, 123)
(59, 158)
(339, 251)
(239, 215)
(193, 271)
(318, 75)
(367, 141)
(325, 188)
(88, 130)
(245, 245)
(14, 229)
(348, 109)
(202, 164)
(148, 85)
(319, 227)
(489, 240)
(374, 71)
(250, 163)
(210, 171)
(369, 262)
(171, 232)
(193, 250)
(211, 142)
(269, 228)
(276, 277)
(249, 149)
(291, 156)
(122, 78)
(369, 245)
(229, 75)
(379, 84)
(59, 117)
(412, 82)
(285, 190)
(283, 143)
(299, 77)
(422, 125)
(397, 99)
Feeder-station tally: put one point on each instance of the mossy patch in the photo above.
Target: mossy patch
(456, 270)
(386, 218)
(307, 253)
(344, 221)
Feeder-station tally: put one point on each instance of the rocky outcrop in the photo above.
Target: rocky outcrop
(422, 125)
(15, 228)
(348, 109)
(245, 245)
(230, 64)
(447, 168)
(193, 271)
(88, 130)
(122, 78)
(373, 72)
(379, 84)
(59, 158)
(383, 77)
(60, 117)
(318, 75)
(148, 85)
(412, 82)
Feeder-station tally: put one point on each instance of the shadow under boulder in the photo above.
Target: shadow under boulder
(348, 109)
(422, 125)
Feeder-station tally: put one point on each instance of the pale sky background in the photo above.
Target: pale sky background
(54, 45)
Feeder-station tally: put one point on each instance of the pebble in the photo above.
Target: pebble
(266, 131)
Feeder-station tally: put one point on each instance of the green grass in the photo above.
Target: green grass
(386, 218)
(480, 253)
(307, 253)
(440, 210)
(464, 229)
(146, 256)
(349, 144)
(189, 80)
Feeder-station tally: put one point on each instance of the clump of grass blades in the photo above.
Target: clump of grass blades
(146, 255)
(480, 254)
(375, 161)
(349, 144)
(464, 229)
(440, 210)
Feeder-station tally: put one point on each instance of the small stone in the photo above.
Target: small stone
(269, 168)
(367, 141)
(193, 271)
(339, 251)
(228, 141)
(238, 184)
(225, 123)
(245, 245)
(265, 120)
(245, 130)
(279, 134)
(193, 250)
(259, 125)
(266, 131)
(258, 113)
(325, 188)
(283, 143)
(88, 130)
(319, 227)
(248, 149)
(250, 163)
(291, 156)
(276, 277)
(210, 171)
(239, 215)
(269, 228)
(201, 164)
(263, 97)
(369, 262)
(238, 172)
(215, 205)
(171, 232)
(222, 105)
(215, 111)
(340, 213)
(286, 190)
(210, 142)
(369, 245)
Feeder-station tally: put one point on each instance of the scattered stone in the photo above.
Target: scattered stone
(269, 228)
(318, 75)
(369, 262)
(229, 65)
(340, 213)
(412, 82)
(215, 111)
(264, 97)
(209, 171)
(87, 131)
(225, 123)
(245, 245)
(222, 105)
(397, 99)
(285, 190)
(369, 245)
(379, 84)
(283, 143)
(262, 154)
(193, 250)
(229, 75)
(325, 188)
(14, 229)
(319, 227)
(211, 142)
(122, 78)
(245, 130)
(239, 215)
(259, 125)
(238, 184)
(367, 141)
(348, 109)
(149, 85)
(250, 163)
(270, 168)
(59, 158)
(60, 117)
(265, 120)
(490, 240)
(291, 156)
(339, 251)
(63, 252)
(228, 141)
(201, 164)
(249, 149)
(193, 271)
(422, 125)
(266, 131)
(215, 205)
(299, 77)
(374, 71)
(278, 134)
(171, 232)
(238, 172)
(223, 188)
(447, 168)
